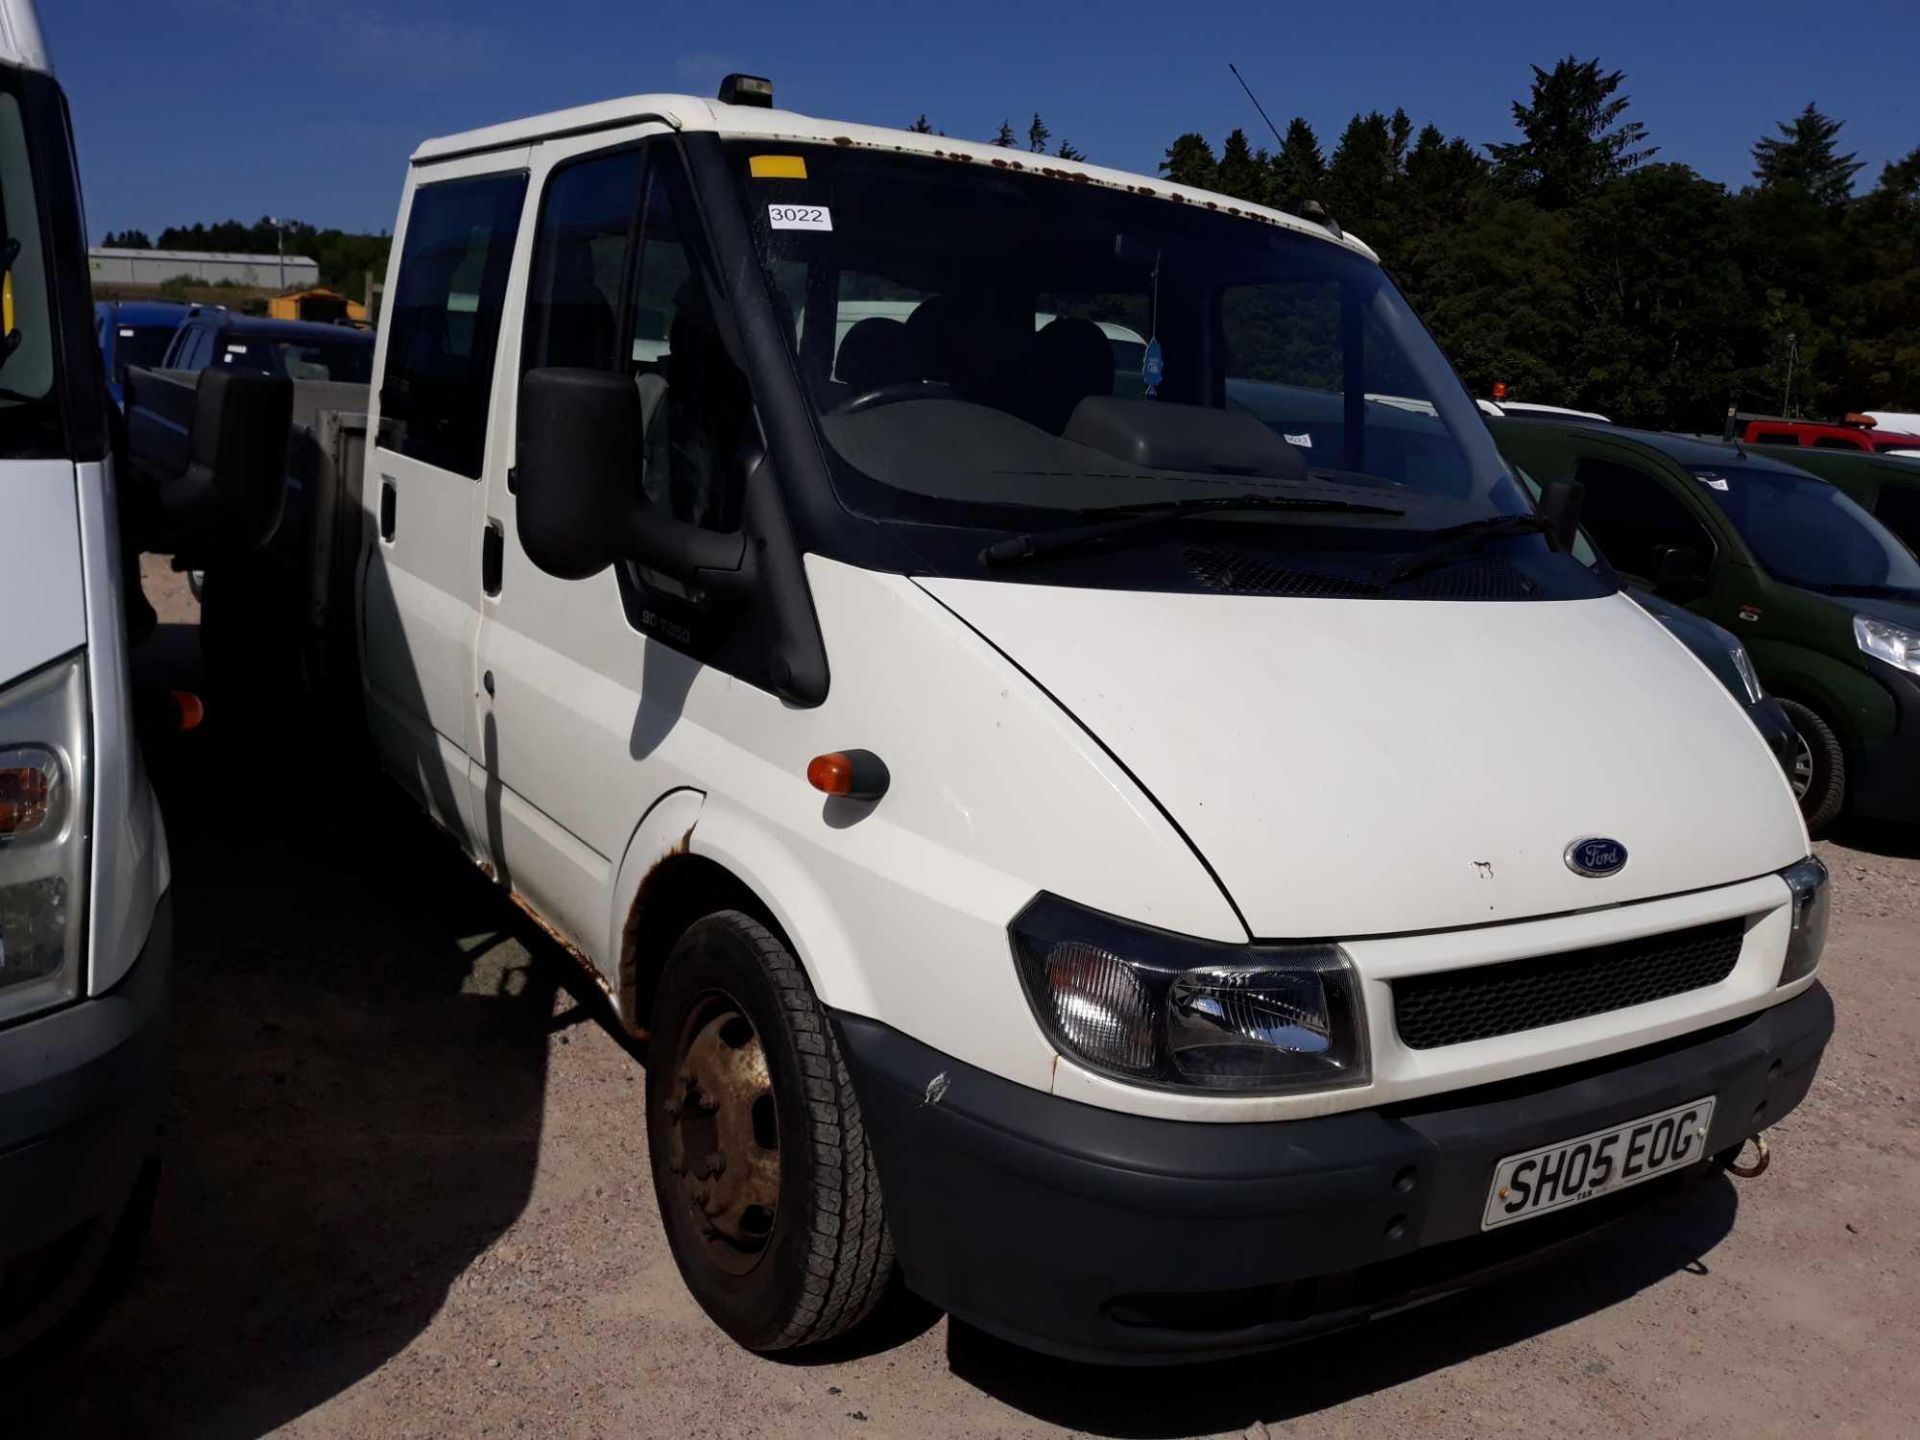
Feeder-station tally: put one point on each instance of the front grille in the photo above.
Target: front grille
(1451, 1007)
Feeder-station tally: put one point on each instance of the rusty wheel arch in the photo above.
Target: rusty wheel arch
(680, 889)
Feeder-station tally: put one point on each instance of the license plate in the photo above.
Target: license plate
(1537, 1181)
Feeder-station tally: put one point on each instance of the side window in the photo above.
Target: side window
(1838, 442)
(617, 285)
(1774, 437)
(1630, 515)
(445, 319)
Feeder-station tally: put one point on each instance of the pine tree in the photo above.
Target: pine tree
(1038, 134)
(921, 126)
(1068, 151)
(1006, 138)
(1241, 173)
(1190, 162)
(1574, 139)
(1299, 170)
(1361, 173)
(1803, 156)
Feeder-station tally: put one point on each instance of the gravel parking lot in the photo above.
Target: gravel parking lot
(408, 1195)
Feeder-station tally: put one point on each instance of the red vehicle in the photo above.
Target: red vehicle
(1856, 432)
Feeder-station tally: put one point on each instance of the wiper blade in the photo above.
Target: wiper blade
(1129, 522)
(1459, 542)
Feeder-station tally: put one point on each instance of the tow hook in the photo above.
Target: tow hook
(1753, 1169)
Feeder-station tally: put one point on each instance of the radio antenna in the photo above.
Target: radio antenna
(1256, 102)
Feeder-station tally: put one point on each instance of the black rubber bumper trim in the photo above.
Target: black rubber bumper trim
(1070, 1228)
(82, 1091)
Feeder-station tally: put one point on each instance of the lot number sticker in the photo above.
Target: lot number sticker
(799, 217)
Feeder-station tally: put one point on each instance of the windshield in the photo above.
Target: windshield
(343, 360)
(1807, 533)
(982, 348)
(141, 345)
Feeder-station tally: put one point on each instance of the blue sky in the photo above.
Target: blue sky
(201, 109)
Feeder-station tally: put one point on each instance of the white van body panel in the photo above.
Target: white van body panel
(898, 910)
(20, 39)
(42, 592)
(1354, 768)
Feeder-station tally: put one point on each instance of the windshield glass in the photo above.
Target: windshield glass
(344, 360)
(978, 343)
(141, 345)
(1806, 532)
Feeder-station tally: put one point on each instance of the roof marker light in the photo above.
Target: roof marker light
(747, 90)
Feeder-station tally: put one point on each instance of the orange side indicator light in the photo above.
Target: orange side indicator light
(850, 774)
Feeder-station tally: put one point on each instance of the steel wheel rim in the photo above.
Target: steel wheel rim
(1800, 775)
(723, 1147)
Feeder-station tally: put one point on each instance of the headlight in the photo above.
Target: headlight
(1811, 910)
(43, 837)
(1894, 644)
(1743, 662)
(1162, 1009)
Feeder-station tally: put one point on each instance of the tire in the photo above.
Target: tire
(786, 1243)
(1825, 791)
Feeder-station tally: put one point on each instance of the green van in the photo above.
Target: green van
(1825, 597)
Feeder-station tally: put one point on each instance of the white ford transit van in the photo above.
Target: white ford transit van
(85, 930)
(1159, 841)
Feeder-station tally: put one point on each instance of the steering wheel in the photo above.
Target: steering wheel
(893, 394)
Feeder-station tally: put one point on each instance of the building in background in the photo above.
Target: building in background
(154, 267)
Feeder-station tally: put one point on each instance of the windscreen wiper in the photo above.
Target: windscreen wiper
(1458, 542)
(1130, 522)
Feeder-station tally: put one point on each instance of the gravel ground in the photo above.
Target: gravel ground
(407, 1196)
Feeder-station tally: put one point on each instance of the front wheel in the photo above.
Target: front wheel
(760, 1162)
(1819, 767)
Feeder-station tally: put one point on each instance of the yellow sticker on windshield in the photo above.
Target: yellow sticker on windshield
(777, 167)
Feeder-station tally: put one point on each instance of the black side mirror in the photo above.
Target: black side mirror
(578, 499)
(230, 495)
(1560, 502)
(1679, 572)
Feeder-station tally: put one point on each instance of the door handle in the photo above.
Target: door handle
(492, 556)
(389, 508)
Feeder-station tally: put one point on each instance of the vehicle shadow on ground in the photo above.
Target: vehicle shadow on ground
(359, 1043)
(1334, 1369)
(1901, 842)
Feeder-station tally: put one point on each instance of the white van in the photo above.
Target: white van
(85, 929)
(1168, 874)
